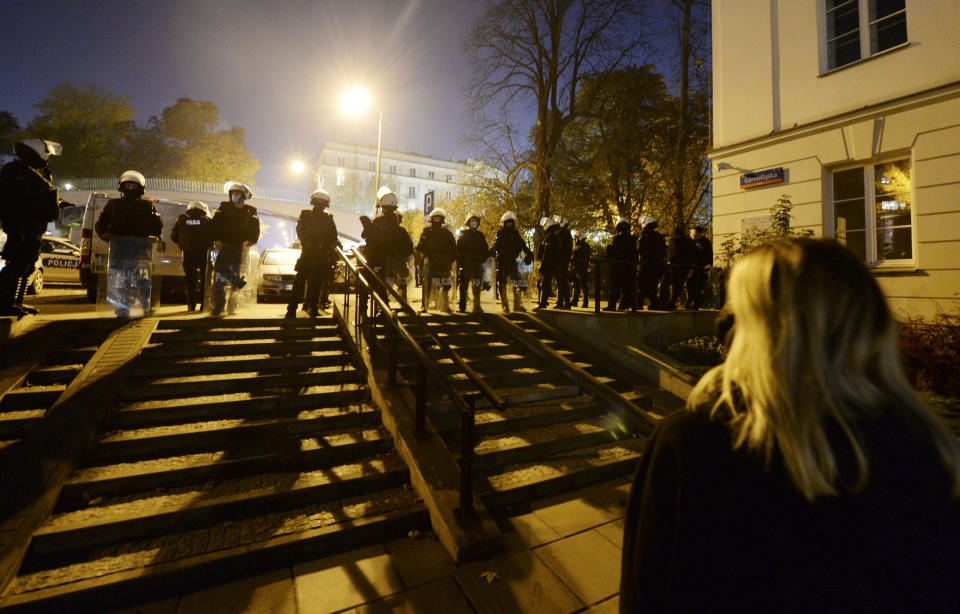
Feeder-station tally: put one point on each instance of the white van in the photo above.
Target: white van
(167, 258)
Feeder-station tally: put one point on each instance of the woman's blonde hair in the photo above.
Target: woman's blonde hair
(813, 342)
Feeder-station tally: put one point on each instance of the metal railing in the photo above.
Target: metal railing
(166, 184)
(379, 292)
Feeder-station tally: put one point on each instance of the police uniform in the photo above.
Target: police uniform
(318, 240)
(472, 251)
(623, 274)
(549, 256)
(564, 253)
(28, 202)
(702, 261)
(388, 245)
(653, 254)
(192, 232)
(579, 266)
(680, 255)
(507, 246)
(439, 249)
(233, 226)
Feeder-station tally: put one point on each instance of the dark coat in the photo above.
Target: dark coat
(387, 242)
(438, 246)
(581, 255)
(550, 248)
(472, 247)
(681, 251)
(233, 226)
(622, 247)
(28, 198)
(565, 248)
(317, 232)
(652, 248)
(192, 232)
(703, 256)
(129, 217)
(710, 529)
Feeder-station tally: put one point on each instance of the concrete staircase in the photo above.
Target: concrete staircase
(557, 432)
(237, 446)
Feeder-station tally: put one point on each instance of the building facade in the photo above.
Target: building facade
(348, 172)
(852, 109)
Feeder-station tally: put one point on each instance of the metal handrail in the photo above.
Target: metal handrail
(466, 407)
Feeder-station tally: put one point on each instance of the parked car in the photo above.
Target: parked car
(59, 263)
(276, 273)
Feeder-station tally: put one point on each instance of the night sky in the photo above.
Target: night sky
(274, 67)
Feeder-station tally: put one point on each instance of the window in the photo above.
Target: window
(341, 162)
(413, 172)
(341, 179)
(413, 191)
(449, 178)
(447, 195)
(872, 211)
(431, 175)
(393, 169)
(860, 28)
(372, 166)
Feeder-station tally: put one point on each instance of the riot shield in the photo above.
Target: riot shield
(232, 277)
(398, 273)
(129, 276)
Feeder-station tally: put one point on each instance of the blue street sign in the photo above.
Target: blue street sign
(427, 203)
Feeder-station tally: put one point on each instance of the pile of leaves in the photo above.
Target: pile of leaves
(705, 351)
(931, 353)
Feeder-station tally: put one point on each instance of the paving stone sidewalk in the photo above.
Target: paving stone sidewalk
(562, 556)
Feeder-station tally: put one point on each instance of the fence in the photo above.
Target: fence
(164, 184)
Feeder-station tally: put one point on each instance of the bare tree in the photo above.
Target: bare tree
(533, 54)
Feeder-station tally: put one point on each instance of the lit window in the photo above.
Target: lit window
(860, 28)
(872, 211)
(413, 172)
(449, 178)
(447, 195)
(413, 191)
(431, 175)
(341, 162)
(340, 179)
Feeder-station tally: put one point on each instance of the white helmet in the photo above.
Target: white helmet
(575, 234)
(472, 216)
(195, 205)
(386, 198)
(509, 215)
(132, 177)
(438, 212)
(648, 220)
(546, 222)
(320, 195)
(560, 220)
(44, 149)
(236, 186)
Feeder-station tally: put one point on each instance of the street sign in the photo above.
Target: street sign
(427, 203)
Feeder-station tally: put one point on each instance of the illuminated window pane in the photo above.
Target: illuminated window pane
(894, 244)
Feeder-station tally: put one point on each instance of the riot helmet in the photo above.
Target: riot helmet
(473, 221)
(386, 198)
(320, 198)
(623, 226)
(237, 191)
(196, 205)
(36, 150)
(560, 220)
(575, 234)
(438, 213)
(649, 221)
(132, 184)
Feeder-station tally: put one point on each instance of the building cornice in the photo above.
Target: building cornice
(903, 103)
(400, 156)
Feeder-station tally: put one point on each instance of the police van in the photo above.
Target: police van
(94, 251)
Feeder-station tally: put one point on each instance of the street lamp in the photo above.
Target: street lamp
(356, 100)
(298, 166)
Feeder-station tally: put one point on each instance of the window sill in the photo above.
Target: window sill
(862, 60)
(906, 269)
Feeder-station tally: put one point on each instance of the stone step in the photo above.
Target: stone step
(234, 435)
(242, 405)
(246, 334)
(252, 382)
(231, 323)
(304, 455)
(65, 538)
(217, 556)
(31, 397)
(15, 424)
(490, 421)
(264, 364)
(70, 356)
(519, 483)
(512, 396)
(273, 348)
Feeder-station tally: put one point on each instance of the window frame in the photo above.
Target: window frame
(870, 213)
(865, 8)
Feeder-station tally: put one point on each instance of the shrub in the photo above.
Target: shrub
(699, 351)
(931, 353)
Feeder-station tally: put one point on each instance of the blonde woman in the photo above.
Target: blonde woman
(806, 475)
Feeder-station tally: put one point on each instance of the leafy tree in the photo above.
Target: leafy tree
(779, 228)
(90, 122)
(9, 127)
(535, 53)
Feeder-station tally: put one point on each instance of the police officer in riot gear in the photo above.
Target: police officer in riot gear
(472, 251)
(564, 253)
(28, 202)
(388, 245)
(652, 249)
(700, 267)
(579, 266)
(507, 246)
(318, 241)
(623, 270)
(234, 228)
(131, 215)
(192, 233)
(680, 254)
(439, 249)
(549, 256)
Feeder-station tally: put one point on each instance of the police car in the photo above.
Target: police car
(59, 263)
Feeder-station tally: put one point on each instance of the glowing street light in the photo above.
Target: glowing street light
(298, 166)
(355, 101)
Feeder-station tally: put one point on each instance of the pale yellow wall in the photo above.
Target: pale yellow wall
(768, 65)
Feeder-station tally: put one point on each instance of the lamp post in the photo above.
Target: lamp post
(298, 166)
(355, 101)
